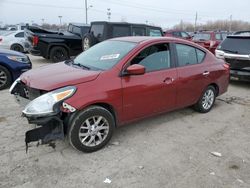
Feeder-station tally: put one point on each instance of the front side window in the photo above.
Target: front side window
(97, 30)
(104, 55)
(121, 31)
(188, 55)
(153, 58)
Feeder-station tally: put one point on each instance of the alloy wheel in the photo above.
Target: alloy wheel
(208, 99)
(85, 44)
(3, 78)
(93, 131)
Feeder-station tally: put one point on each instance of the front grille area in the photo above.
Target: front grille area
(27, 92)
(238, 64)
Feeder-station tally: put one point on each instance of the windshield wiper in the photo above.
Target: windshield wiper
(80, 65)
(231, 51)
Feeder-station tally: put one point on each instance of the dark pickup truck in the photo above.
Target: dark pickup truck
(55, 45)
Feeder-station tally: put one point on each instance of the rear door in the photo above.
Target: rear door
(153, 92)
(193, 74)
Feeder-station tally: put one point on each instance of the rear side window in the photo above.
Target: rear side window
(153, 58)
(218, 36)
(138, 31)
(97, 30)
(155, 33)
(184, 35)
(176, 34)
(121, 31)
(20, 35)
(188, 55)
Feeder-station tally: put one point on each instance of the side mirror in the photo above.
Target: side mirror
(135, 69)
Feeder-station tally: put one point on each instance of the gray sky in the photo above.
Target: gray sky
(165, 13)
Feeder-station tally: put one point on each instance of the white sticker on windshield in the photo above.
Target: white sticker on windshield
(111, 56)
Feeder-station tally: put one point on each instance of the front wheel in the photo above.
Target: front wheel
(91, 129)
(206, 101)
(5, 78)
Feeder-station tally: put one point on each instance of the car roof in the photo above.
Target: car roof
(125, 23)
(10, 52)
(140, 39)
(147, 39)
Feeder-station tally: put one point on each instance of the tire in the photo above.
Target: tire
(88, 41)
(17, 47)
(86, 134)
(58, 54)
(5, 78)
(206, 101)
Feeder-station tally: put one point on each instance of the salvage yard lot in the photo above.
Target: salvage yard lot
(170, 150)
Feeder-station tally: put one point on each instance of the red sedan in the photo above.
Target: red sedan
(115, 82)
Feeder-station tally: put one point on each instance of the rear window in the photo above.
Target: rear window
(239, 45)
(202, 36)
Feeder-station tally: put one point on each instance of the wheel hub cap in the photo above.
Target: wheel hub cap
(3, 78)
(93, 131)
(208, 99)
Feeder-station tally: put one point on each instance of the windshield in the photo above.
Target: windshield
(202, 36)
(104, 55)
(236, 45)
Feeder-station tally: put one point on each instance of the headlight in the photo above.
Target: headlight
(19, 59)
(45, 104)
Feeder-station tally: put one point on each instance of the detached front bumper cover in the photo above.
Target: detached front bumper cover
(51, 128)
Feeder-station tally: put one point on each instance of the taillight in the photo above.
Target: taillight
(35, 40)
(226, 65)
(212, 43)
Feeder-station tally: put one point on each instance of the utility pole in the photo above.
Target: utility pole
(43, 20)
(86, 11)
(230, 24)
(195, 22)
(109, 13)
(60, 18)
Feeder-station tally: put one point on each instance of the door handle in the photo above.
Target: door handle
(205, 73)
(168, 80)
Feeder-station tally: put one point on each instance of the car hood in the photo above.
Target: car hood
(57, 75)
(11, 52)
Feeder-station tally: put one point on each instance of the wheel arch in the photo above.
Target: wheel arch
(57, 45)
(108, 107)
(216, 87)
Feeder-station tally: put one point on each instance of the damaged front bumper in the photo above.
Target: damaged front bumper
(50, 129)
(50, 126)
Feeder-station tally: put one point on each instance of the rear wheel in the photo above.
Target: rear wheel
(58, 54)
(206, 101)
(5, 78)
(17, 47)
(91, 129)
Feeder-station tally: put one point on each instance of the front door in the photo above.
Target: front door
(153, 92)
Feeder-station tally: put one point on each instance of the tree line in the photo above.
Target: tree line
(223, 25)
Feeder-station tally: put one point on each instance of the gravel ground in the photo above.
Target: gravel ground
(171, 150)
